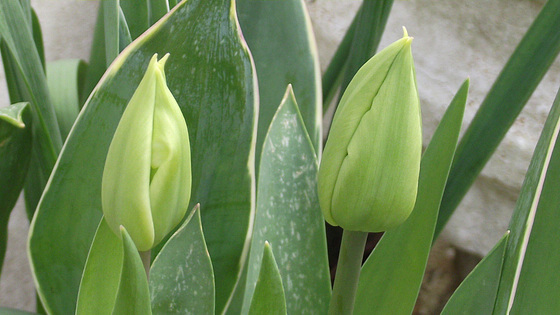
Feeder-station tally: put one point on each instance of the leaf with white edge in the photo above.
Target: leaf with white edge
(477, 293)
(210, 73)
(133, 295)
(532, 221)
(391, 277)
(529, 279)
(280, 36)
(181, 276)
(269, 291)
(100, 281)
(288, 214)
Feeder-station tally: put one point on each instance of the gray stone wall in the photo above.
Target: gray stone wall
(453, 40)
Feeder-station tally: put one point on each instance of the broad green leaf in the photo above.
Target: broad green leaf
(282, 43)
(100, 281)
(269, 292)
(358, 46)
(391, 277)
(288, 214)
(133, 296)
(477, 293)
(533, 252)
(513, 87)
(181, 276)
(210, 74)
(65, 80)
(15, 153)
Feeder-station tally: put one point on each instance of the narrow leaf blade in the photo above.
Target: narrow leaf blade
(532, 221)
(269, 292)
(477, 293)
(133, 295)
(100, 281)
(507, 97)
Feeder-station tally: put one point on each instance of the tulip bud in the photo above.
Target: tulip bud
(368, 178)
(146, 182)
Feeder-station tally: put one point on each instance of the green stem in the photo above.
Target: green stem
(347, 272)
(146, 257)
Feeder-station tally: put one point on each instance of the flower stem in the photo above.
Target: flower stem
(347, 272)
(146, 257)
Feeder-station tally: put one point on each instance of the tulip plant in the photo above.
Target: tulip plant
(182, 171)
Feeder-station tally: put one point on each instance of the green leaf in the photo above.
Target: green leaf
(282, 43)
(26, 82)
(100, 281)
(477, 293)
(65, 79)
(111, 27)
(133, 295)
(158, 8)
(136, 14)
(513, 87)
(15, 153)
(38, 36)
(358, 45)
(269, 292)
(210, 74)
(391, 277)
(181, 277)
(9, 311)
(288, 214)
(533, 253)
(27, 65)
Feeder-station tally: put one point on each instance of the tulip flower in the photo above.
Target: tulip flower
(368, 177)
(146, 182)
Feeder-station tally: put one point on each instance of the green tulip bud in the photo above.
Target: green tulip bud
(368, 177)
(146, 182)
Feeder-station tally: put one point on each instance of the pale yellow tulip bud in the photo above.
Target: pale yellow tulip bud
(146, 182)
(368, 177)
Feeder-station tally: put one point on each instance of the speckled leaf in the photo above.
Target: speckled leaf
(281, 39)
(269, 292)
(100, 281)
(210, 73)
(477, 293)
(288, 214)
(15, 153)
(392, 275)
(181, 277)
(133, 295)
(529, 282)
